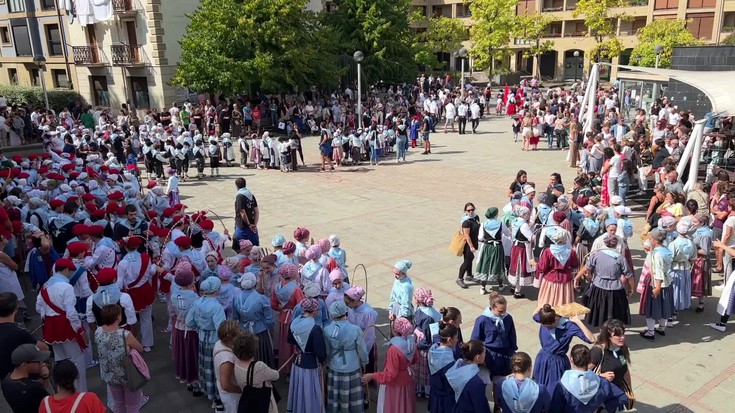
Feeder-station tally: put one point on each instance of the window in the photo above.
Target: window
(59, 78)
(53, 40)
(22, 41)
(139, 87)
(48, 4)
(5, 35)
(701, 25)
(698, 4)
(13, 76)
(35, 77)
(100, 93)
(16, 6)
(526, 6)
(665, 4)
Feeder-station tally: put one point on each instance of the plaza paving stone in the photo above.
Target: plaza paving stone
(411, 210)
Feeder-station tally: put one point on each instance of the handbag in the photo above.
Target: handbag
(252, 399)
(134, 378)
(456, 246)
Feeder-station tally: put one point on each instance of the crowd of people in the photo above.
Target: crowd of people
(101, 248)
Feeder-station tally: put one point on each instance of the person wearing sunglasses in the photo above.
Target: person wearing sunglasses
(470, 228)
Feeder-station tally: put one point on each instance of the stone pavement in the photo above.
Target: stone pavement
(392, 211)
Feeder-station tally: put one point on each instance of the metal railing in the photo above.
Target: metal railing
(124, 6)
(87, 55)
(126, 54)
(554, 8)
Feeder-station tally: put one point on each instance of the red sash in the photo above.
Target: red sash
(145, 259)
(70, 333)
(142, 295)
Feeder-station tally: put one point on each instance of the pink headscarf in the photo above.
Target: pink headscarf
(313, 252)
(356, 292)
(324, 245)
(336, 274)
(424, 296)
(310, 304)
(301, 233)
(244, 243)
(289, 248)
(224, 273)
(402, 327)
(288, 271)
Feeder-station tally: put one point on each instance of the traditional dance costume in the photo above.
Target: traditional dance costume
(469, 388)
(522, 396)
(551, 360)
(491, 262)
(397, 393)
(347, 353)
(205, 315)
(134, 274)
(185, 339)
(555, 270)
(426, 321)
(441, 398)
(701, 275)
(585, 392)
(521, 255)
(286, 296)
(684, 251)
(253, 311)
(364, 316)
(498, 334)
(305, 394)
(606, 297)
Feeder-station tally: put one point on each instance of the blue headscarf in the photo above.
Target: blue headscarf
(520, 397)
(107, 294)
(440, 357)
(583, 385)
(301, 329)
(498, 320)
(459, 374)
(403, 265)
(407, 345)
(561, 252)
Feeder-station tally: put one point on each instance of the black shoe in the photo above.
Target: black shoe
(197, 392)
(461, 283)
(660, 332)
(649, 337)
(700, 308)
(519, 295)
(189, 388)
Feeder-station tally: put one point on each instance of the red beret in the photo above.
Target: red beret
(45, 155)
(14, 172)
(4, 173)
(65, 264)
(151, 184)
(67, 167)
(114, 171)
(24, 175)
(163, 233)
(96, 230)
(104, 168)
(76, 248)
(17, 158)
(120, 211)
(117, 195)
(88, 197)
(98, 214)
(111, 207)
(169, 212)
(106, 276)
(73, 198)
(73, 175)
(42, 169)
(152, 214)
(80, 229)
(180, 206)
(180, 218)
(134, 242)
(55, 203)
(33, 157)
(57, 176)
(183, 242)
(207, 224)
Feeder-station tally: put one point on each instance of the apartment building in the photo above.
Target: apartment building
(30, 28)
(711, 21)
(132, 55)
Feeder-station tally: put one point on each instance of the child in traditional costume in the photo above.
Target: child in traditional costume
(185, 340)
(364, 316)
(518, 393)
(305, 394)
(441, 359)
(555, 271)
(400, 303)
(657, 299)
(253, 311)
(491, 262)
(228, 292)
(339, 287)
(701, 276)
(684, 252)
(465, 378)
(397, 392)
(285, 297)
(339, 255)
(522, 265)
(427, 326)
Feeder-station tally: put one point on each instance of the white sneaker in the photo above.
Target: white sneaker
(719, 327)
(670, 323)
(483, 291)
(146, 349)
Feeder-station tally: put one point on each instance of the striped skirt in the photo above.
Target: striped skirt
(344, 392)
(206, 365)
(422, 371)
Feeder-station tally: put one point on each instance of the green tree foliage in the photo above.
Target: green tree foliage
(729, 40)
(379, 29)
(600, 19)
(668, 33)
(442, 35)
(531, 28)
(495, 21)
(273, 45)
(34, 98)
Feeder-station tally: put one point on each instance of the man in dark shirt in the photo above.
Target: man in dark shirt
(12, 336)
(246, 215)
(21, 391)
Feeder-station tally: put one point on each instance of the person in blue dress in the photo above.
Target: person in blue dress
(464, 377)
(313, 291)
(496, 330)
(305, 394)
(441, 359)
(556, 334)
(427, 326)
(254, 313)
(400, 303)
(339, 255)
(452, 315)
(582, 391)
(518, 393)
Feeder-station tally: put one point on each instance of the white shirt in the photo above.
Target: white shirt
(102, 257)
(475, 111)
(674, 118)
(451, 111)
(61, 295)
(462, 110)
(128, 270)
(615, 166)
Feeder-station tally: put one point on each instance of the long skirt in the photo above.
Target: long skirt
(549, 368)
(186, 355)
(681, 280)
(555, 294)
(265, 349)
(371, 367)
(397, 399)
(305, 391)
(173, 198)
(661, 307)
(345, 392)
(285, 349)
(605, 305)
(701, 279)
(422, 371)
(491, 265)
(206, 365)
(519, 274)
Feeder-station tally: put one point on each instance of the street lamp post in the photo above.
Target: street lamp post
(358, 56)
(658, 49)
(462, 53)
(40, 61)
(576, 65)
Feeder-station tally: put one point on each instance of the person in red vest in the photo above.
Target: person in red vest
(62, 327)
(134, 274)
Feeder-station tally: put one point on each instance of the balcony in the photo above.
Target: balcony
(127, 55)
(124, 8)
(88, 56)
(552, 8)
(551, 35)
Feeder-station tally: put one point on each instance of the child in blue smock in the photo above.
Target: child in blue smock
(400, 303)
(441, 359)
(339, 255)
(518, 393)
(464, 377)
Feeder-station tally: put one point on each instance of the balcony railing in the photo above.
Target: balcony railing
(628, 32)
(556, 8)
(578, 34)
(124, 6)
(552, 34)
(126, 54)
(88, 56)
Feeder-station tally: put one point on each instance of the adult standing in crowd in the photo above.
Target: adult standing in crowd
(247, 215)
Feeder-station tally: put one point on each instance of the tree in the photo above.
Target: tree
(442, 35)
(668, 33)
(495, 21)
(379, 29)
(729, 40)
(231, 46)
(601, 22)
(531, 28)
